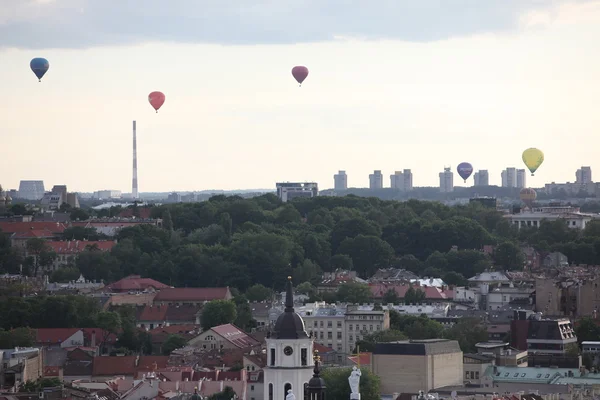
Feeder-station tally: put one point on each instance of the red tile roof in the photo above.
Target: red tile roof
(192, 294)
(87, 335)
(54, 335)
(21, 227)
(322, 349)
(41, 233)
(77, 246)
(235, 336)
(175, 329)
(153, 313)
(137, 283)
(112, 366)
(365, 359)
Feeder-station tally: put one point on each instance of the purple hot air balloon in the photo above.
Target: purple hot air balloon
(465, 170)
(300, 73)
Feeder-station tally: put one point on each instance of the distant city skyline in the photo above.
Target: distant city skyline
(391, 86)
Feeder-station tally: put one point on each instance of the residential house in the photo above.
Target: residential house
(21, 232)
(432, 293)
(331, 281)
(67, 251)
(53, 338)
(260, 313)
(135, 283)
(106, 367)
(226, 336)
(161, 334)
(158, 315)
(78, 365)
(20, 365)
(134, 299)
(192, 295)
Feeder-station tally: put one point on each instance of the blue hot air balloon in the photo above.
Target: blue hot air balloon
(39, 66)
(465, 170)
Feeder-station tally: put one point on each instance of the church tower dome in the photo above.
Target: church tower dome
(289, 353)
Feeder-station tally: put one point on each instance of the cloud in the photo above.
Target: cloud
(88, 23)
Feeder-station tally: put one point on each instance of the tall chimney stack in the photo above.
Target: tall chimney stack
(134, 183)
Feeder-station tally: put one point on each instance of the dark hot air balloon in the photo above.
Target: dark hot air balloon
(156, 99)
(39, 66)
(464, 170)
(300, 73)
(528, 196)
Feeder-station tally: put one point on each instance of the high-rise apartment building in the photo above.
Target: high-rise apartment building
(401, 180)
(376, 180)
(446, 180)
(509, 177)
(583, 175)
(521, 178)
(340, 181)
(482, 178)
(408, 180)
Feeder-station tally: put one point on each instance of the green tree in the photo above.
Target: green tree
(77, 214)
(259, 292)
(218, 312)
(587, 330)
(413, 296)
(468, 332)
(368, 253)
(42, 254)
(227, 394)
(342, 262)
(508, 256)
(306, 288)
(368, 342)
(65, 274)
(354, 293)
(167, 220)
(173, 342)
(110, 323)
(390, 296)
(336, 381)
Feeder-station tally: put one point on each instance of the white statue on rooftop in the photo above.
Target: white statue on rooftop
(354, 380)
(290, 395)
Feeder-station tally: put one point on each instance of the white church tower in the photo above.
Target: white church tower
(289, 354)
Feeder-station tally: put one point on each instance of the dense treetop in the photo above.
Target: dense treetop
(241, 242)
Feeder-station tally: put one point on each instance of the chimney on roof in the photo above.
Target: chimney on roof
(93, 343)
(137, 361)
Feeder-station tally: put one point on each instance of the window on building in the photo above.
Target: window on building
(476, 374)
(321, 335)
(304, 357)
(329, 335)
(316, 324)
(466, 374)
(251, 387)
(321, 322)
(286, 387)
(339, 324)
(350, 327)
(329, 324)
(370, 327)
(272, 357)
(270, 391)
(339, 335)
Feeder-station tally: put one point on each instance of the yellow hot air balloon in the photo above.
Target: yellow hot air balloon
(533, 158)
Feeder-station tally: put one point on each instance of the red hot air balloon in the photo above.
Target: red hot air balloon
(300, 73)
(156, 99)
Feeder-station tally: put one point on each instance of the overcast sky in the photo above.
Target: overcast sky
(393, 84)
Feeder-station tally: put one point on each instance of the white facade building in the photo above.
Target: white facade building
(290, 190)
(340, 181)
(573, 217)
(289, 354)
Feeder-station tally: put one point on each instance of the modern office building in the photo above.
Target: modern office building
(31, 190)
(376, 180)
(446, 180)
(340, 181)
(290, 190)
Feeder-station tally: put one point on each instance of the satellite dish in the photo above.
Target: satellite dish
(453, 394)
